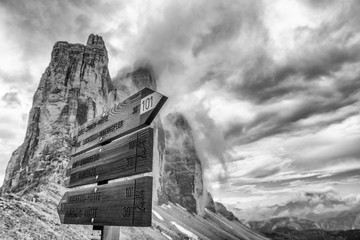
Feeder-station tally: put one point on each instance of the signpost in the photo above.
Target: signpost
(126, 203)
(127, 156)
(112, 146)
(134, 113)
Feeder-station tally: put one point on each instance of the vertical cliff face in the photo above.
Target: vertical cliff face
(73, 89)
(182, 174)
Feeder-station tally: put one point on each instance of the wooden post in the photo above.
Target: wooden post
(124, 203)
(109, 232)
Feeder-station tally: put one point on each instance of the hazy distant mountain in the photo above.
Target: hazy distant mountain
(274, 224)
(313, 234)
(308, 205)
(345, 225)
(311, 215)
(345, 220)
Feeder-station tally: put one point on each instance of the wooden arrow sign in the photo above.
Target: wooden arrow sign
(126, 203)
(134, 113)
(126, 156)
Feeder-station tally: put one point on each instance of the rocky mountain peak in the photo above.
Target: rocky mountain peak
(95, 41)
(144, 76)
(179, 121)
(132, 79)
(73, 89)
(182, 174)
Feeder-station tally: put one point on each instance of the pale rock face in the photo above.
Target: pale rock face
(73, 89)
(182, 174)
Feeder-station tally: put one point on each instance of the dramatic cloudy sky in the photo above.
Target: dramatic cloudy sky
(271, 88)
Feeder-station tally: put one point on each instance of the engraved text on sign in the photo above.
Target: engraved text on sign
(126, 203)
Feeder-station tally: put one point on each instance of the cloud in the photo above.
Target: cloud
(6, 134)
(324, 146)
(317, 68)
(18, 80)
(177, 36)
(11, 99)
(39, 24)
(2, 176)
(319, 3)
(263, 173)
(228, 24)
(316, 55)
(211, 147)
(38, 19)
(284, 115)
(284, 92)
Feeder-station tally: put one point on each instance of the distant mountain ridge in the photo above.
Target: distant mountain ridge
(317, 211)
(314, 216)
(312, 201)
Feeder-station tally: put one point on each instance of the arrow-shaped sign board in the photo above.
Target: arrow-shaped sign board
(129, 155)
(134, 113)
(126, 203)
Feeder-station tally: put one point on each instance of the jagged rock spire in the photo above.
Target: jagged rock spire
(95, 41)
(73, 89)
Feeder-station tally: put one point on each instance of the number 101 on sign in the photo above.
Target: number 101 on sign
(149, 102)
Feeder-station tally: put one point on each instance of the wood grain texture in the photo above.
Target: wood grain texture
(122, 119)
(130, 155)
(127, 203)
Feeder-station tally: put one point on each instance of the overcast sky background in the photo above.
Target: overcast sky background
(271, 88)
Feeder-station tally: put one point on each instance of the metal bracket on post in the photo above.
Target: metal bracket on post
(101, 228)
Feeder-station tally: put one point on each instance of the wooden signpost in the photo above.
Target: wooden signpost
(127, 156)
(134, 113)
(126, 203)
(113, 145)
